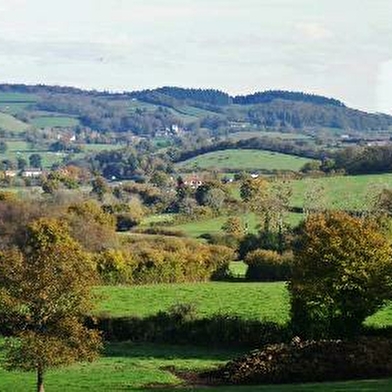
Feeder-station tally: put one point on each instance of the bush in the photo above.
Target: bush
(309, 361)
(180, 325)
(267, 265)
(161, 259)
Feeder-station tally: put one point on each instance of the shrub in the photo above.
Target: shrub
(180, 325)
(267, 265)
(163, 260)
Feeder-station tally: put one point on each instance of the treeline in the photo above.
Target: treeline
(211, 96)
(365, 160)
(297, 115)
(271, 95)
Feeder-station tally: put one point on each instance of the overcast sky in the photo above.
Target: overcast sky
(339, 48)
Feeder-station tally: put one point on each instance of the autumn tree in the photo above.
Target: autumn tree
(341, 274)
(44, 295)
(234, 226)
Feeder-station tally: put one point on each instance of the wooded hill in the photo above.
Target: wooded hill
(167, 109)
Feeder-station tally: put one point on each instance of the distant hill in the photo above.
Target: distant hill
(153, 112)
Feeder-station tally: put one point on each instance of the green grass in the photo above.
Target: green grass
(248, 300)
(229, 160)
(347, 192)
(214, 225)
(98, 147)
(13, 107)
(55, 121)
(238, 269)
(10, 123)
(136, 367)
(22, 149)
(251, 300)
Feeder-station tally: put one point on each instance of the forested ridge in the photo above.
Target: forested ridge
(147, 112)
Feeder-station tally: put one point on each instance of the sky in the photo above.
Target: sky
(337, 48)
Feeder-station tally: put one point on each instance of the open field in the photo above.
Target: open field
(251, 300)
(10, 123)
(347, 192)
(135, 367)
(229, 160)
(13, 107)
(214, 225)
(17, 97)
(22, 149)
(54, 121)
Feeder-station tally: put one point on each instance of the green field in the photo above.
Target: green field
(17, 97)
(229, 160)
(214, 225)
(248, 300)
(136, 367)
(347, 192)
(13, 107)
(10, 123)
(55, 121)
(21, 149)
(251, 300)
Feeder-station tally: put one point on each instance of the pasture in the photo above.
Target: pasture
(237, 160)
(54, 122)
(250, 300)
(214, 225)
(10, 123)
(146, 367)
(341, 192)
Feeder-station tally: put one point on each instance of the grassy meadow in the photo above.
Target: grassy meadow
(214, 225)
(251, 300)
(145, 367)
(54, 121)
(10, 123)
(229, 160)
(347, 192)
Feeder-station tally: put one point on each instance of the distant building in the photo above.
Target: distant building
(10, 173)
(193, 182)
(32, 172)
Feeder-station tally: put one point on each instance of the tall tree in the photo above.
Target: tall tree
(341, 274)
(45, 293)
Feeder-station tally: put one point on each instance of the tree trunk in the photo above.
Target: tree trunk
(40, 379)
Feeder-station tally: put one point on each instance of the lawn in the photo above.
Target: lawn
(229, 160)
(136, 367)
